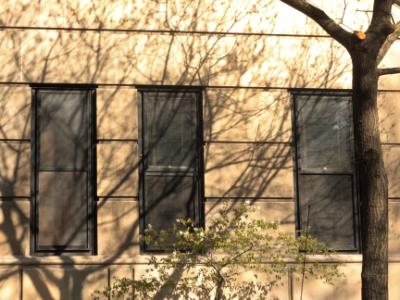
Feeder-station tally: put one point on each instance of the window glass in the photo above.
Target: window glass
(170, 129)
(62, 209)
(63, 168)
(325, 169)
(327, 209)
(171, 151)
(325, 134)
(168, 198)
(63, 130)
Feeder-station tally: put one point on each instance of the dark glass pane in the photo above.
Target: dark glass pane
(327, 208)
(62, 209)
(325, 134)
(63, 127)
(168, 198)
(170, 129)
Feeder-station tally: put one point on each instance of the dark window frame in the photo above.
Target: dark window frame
(198, 173)
(91, 213)
(354, 174)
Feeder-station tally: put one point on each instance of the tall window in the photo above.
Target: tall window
(63, 156)
(326, 182)
(171, 143)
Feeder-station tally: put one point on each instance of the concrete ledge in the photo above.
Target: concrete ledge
(143, 259)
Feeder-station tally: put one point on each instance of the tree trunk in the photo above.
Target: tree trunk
(219, 294)
(372, 177)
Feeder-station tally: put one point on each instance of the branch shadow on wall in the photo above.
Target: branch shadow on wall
(247, 133)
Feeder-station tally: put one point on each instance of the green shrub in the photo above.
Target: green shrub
(210, 263)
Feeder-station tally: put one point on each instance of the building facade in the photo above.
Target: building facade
(116, 115)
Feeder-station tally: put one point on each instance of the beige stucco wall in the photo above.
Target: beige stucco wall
(245, 74)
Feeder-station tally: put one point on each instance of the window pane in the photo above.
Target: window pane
(325, 134)
(327, 208)
(168, 198)
(62, 209)
(170, 129)
(63, 129)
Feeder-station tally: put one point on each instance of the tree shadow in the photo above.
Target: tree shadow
(247, 115)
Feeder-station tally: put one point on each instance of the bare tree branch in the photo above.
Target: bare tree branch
(397, 2)
(344, 11)
(381, 16)
(387, 71)
(395, 35)
(319, 16)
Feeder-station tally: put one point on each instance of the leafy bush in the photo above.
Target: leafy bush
(211, 263)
